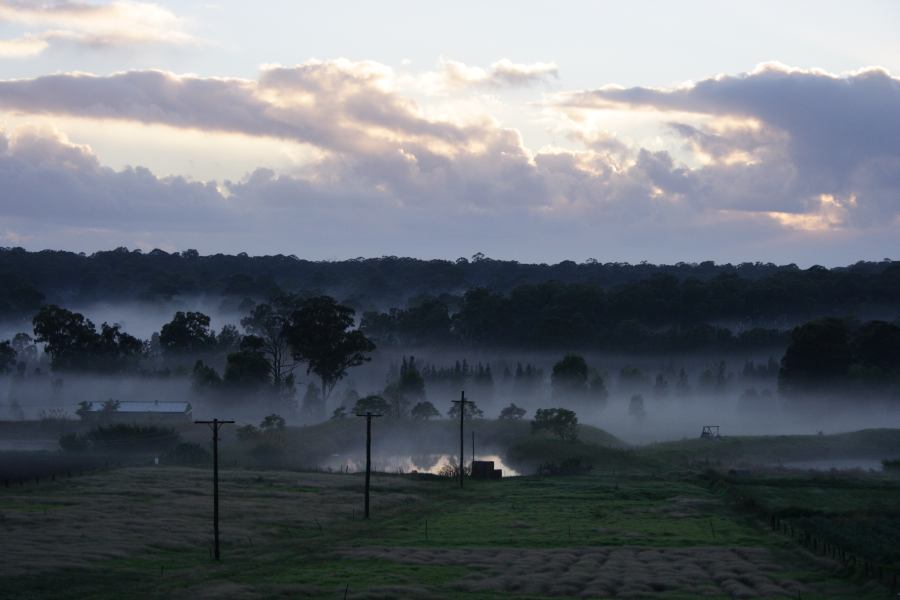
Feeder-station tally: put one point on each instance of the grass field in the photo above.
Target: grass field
(855, 512)
(623, 532)
(771, 450)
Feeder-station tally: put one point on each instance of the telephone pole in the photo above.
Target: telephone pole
(462, 437)
(214, 427)
(368, 415)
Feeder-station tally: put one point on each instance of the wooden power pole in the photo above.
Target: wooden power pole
(368, 415)
(462, 436)
(214, 426)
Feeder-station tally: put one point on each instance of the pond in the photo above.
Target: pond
(419, 463)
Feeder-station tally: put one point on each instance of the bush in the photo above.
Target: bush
(268, 454)
(72, 442)
(133, 438)
(188, 454)
(559, 421)
(248, 433)
(553, 456)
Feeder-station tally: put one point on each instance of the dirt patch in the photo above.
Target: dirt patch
(621, 572)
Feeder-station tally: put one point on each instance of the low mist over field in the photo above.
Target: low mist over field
(654, 358)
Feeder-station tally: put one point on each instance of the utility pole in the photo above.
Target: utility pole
(214, 426)
(368, 415)
(462, 443)
(473, 452)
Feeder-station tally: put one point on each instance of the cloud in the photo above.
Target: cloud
(558, 205)
(90, 25)
(338, 106)
(391, 178)
(45, 177)
(794, 137)
(501, 74)
(22, 47)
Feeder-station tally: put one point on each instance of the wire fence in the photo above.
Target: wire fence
(21, 470)
(853, 564)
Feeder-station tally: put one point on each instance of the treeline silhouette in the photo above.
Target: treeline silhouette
(653, 294)
(659, 315)
(843, 358)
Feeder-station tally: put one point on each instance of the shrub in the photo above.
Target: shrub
(512, 413)
(188, 454)
(133, 438)
(72, 442)
(559, 421)
(268, 454)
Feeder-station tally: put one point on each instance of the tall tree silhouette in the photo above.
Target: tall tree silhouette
(321, 335)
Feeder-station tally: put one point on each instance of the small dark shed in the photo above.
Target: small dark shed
(484, 469)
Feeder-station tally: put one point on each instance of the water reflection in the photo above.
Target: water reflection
(419, 463)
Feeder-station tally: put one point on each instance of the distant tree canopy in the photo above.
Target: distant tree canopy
(373, 404)
(73, 343)
(616, 305)
(188, 333)
(248, 368)
(569, 375)
(320, 334)
(833, 355)
(7, 356)
(406, 390)
(268, 321)
(558, 421)
(512, 413)
(423, 411)
(552, 315)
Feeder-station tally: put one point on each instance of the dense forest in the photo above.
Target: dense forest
(653, 293)
(480, 302)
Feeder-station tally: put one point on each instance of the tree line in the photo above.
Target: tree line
(279, 336)
(661, 315)
(653, 295)
(842, 357)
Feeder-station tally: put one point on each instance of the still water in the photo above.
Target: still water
(423, 463)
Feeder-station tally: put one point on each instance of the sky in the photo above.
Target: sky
(533, 131)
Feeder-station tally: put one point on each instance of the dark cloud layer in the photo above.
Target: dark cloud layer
(841, 134)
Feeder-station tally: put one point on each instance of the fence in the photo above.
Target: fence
(854, 564)
(17, 469)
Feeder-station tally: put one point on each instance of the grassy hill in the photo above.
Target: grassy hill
(757, 450)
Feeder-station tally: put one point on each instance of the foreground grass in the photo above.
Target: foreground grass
(145, 533)
(857, 512)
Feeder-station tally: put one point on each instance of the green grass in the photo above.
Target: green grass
(633, 525)
(870, 443)
(859, 513)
